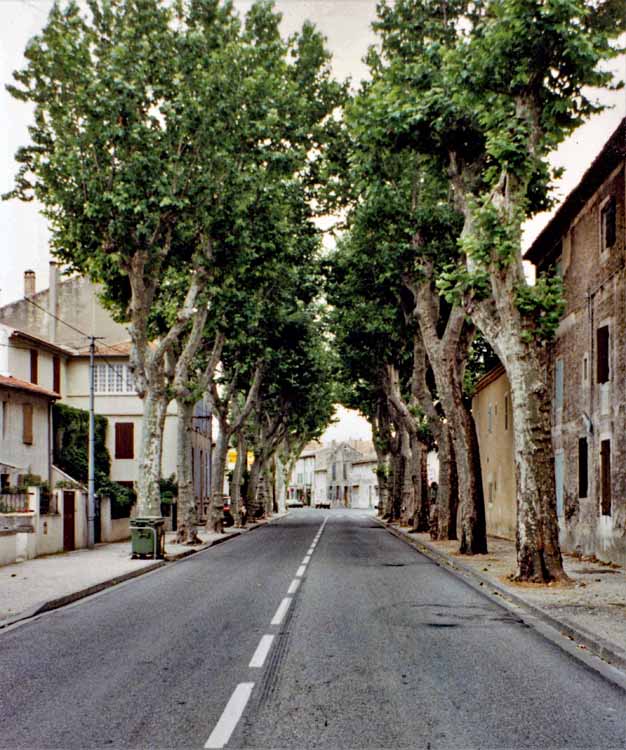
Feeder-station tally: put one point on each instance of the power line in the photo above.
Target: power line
(56, 317)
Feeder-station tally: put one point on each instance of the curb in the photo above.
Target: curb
(591, 643)
(75, 596)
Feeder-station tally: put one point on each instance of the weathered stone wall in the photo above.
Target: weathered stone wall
(595, 293)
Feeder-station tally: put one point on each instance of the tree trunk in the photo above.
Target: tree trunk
(538, 550)
(215, 521)
(447, 355)
(187, 517)
(524, 356)
(421, 514)
(149, 459)
(255, 505)
(443, 520)
(283, 471)
(237, 508)
(407, 501)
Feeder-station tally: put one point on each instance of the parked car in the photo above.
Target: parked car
(323, 504)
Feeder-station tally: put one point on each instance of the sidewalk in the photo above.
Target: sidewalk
(591, 610)
(34, 586)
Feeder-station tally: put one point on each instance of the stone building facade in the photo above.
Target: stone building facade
(585, 243)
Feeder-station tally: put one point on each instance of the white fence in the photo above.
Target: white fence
(26, 532)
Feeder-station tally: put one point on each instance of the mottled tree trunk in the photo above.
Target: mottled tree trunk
(443, 523)
(215, 520)
(407, 500)
(447, 354)
(186, 516)
(538, 550)
(238, 509)
(149, 458)
(254, 501)
(420, 519)
(524, 355)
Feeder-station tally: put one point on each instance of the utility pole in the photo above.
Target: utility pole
(91, 476)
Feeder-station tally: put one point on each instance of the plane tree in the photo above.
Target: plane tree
(490, 89)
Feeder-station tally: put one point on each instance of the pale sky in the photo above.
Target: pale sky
(350, 424)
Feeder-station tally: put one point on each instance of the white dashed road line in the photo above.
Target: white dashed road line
(230, 716)
(281, 611)
(262, 650)
(239, 699)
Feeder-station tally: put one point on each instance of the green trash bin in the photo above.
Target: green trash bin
(148, 536)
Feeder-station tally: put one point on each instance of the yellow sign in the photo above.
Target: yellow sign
(231, 459)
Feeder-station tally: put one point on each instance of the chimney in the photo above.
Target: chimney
(29, 283)
(52, 301)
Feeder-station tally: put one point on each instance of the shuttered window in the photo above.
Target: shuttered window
(27, 424)
(34, 366)
(608, 223)
(56, 375)
(603, 363)
(124, 440)
(583, 467)
(605, 477)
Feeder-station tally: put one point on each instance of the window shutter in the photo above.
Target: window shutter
(56, 375)
(34, 366)
(124, 440)
(27, 426)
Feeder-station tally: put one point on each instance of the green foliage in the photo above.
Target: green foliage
(70, 427)
(542, 307)
(168, 488)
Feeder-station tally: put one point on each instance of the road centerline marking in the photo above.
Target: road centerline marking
(293, 586)
(306, 560)
(262, 650)
(300, 571)
(230, 716)
(281, 611)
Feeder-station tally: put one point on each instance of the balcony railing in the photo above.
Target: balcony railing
(14, 503)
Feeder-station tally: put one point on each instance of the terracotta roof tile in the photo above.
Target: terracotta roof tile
(22, 385)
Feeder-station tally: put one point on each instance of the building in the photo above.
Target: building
(30, 382)
(59, 320)
(584, 243)
(301, 487)
(329, 474)
(364, 489)
(492, 416)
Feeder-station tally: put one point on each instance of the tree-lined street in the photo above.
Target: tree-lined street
(379, 647)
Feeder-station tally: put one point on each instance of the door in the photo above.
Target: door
(69, 511)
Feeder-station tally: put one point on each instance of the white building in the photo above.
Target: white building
(364, 490)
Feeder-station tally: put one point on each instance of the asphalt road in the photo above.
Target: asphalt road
(276, 640)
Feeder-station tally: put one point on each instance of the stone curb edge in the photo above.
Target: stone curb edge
(594, 645)
(98, 587)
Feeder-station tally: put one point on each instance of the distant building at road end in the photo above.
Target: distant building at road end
(337, 475)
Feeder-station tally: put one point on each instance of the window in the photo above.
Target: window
(608, 224)
(4, 482)
(56, 375)
(605, 477)
(124, 440)
(583, 467)
(345, 471)
(113, 378)
(585, 369)
(603, 373)
(27, 424)
(34, 366)
(558, 385)
(334, 472)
